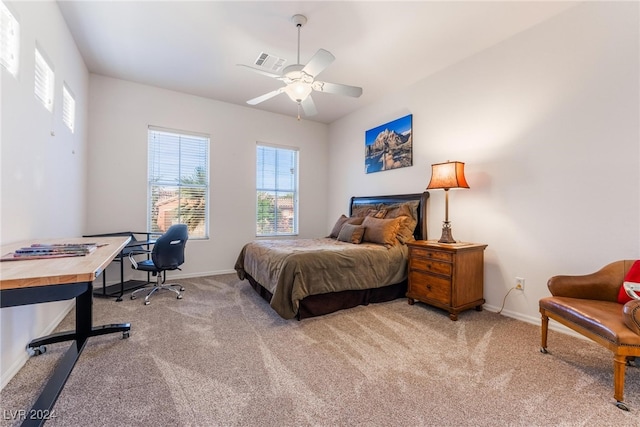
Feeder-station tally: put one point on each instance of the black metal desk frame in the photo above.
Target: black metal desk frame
(119, 289)
(83, 293)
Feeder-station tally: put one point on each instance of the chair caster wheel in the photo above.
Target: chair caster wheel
(125, 335)
(543, 350)
(179, 297)
(181, 289)
(622, 405)
(147, 302)
(133, 297)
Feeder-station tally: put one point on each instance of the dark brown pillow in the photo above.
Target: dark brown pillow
(351, 233)
(342, 221)
(383, 231)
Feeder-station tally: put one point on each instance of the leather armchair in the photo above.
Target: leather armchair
(588, 305)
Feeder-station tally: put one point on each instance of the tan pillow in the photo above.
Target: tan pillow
(362, 210)
(351, 233)
(383, 231)
(377, 213)
(342, 221)
(407, 226)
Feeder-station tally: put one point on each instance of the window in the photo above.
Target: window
(9, 40)
(178, 181)
(44, 81)
(68, 108)
(276, 191)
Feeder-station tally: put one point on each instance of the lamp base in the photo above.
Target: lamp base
(446, 233)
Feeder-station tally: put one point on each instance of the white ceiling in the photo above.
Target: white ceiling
(193, 47)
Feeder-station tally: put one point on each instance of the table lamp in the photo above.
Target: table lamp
(446, 176)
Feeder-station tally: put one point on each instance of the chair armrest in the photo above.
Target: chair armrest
(602, 285)
(631, 315)
(132, 254)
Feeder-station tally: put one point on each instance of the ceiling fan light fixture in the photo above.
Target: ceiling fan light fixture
(298, 91)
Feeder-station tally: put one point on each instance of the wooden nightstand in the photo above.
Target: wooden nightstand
(446, 275)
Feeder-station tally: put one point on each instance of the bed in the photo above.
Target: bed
(362, 261)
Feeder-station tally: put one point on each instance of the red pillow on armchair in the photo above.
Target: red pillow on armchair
(633, 275)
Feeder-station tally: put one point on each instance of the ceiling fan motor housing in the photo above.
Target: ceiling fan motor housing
(299, 20)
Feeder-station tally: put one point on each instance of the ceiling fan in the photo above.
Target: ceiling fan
(300, 80)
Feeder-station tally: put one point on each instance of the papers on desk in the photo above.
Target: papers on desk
(47, 251)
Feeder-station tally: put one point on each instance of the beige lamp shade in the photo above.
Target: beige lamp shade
(447, 175)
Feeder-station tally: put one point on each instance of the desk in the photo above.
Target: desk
(43, 280)
(134, 246)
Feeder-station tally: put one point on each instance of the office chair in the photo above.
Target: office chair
(167, 254)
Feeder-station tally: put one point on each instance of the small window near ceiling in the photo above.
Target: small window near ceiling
(9, 40)
(178, 181)
(44, 80)
(68, 108)
(276, 191)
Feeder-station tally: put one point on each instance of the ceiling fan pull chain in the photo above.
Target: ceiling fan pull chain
(298, 111)
(299, 26)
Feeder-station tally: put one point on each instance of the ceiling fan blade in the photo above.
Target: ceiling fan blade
(309, 107)
(264, 97)
(259, 71)
(337, 88)
(318, 62)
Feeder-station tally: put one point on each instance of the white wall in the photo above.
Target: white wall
(548, 125)
(43, 176)
(120, 113)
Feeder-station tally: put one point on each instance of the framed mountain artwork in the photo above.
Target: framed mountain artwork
(389, 146)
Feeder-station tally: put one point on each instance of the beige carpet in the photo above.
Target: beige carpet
(222, 357)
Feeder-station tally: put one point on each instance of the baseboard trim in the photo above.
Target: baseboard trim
(553, 326)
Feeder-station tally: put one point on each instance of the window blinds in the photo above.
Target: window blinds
(68, 108)
(44, 81)
(178, 179)
(9, 40)
(276, 191)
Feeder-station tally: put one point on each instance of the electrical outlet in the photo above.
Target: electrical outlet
(520, 283)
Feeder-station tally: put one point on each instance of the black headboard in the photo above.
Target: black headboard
(421, 228)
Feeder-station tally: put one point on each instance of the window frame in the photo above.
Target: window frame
(294, 189)
(154, 181)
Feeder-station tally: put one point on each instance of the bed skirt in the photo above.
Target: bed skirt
(318, 305)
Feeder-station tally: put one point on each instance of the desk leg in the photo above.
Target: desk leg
(84, 320)
(42, 409)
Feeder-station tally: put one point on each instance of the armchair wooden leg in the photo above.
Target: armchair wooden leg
(619, 366)
(544, 328)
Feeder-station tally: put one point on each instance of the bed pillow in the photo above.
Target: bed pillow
(351, 233)
(408, 214)
(633, 275)
(342, 221)
(377, 213)
(383, 231)
(363, 209)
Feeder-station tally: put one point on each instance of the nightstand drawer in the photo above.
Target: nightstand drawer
(430, 287)
(431, 266)
(431, 254)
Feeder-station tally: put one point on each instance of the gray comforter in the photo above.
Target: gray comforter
(294, 269)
